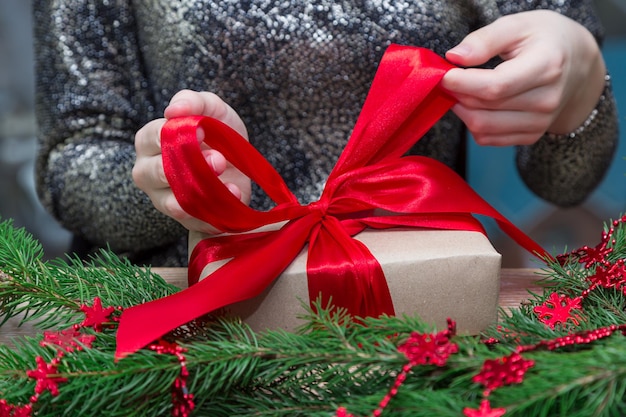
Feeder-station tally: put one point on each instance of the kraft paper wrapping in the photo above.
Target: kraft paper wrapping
(434, 274)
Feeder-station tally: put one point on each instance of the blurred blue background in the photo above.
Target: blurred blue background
(556, 229)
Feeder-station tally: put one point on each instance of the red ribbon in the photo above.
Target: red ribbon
(372, 185)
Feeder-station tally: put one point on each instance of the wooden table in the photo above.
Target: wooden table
(514, 287)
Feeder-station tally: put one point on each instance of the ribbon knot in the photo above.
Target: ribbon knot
(372, 185)
(320, 207)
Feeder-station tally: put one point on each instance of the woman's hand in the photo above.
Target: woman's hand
(550, 81)
(148, 171)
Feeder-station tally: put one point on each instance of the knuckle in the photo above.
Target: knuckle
(182, 94)
(496, 90)
(484, 140)
(214, 105)
(550, 102)
(477, 125)
(160, 172)
(137, 175)
(173, 209)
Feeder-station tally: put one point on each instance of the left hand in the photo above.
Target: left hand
(550, 80)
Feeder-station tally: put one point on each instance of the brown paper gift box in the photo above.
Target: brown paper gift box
(434, 274)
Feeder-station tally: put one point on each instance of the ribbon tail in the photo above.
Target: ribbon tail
(142, 324)
(342, 268)
(521, 238)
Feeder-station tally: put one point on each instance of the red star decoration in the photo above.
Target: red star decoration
(610, 276)
(508, 370)
(558, 309)
(67, 340)
(43, 376)
(484, 410)
(96, 316)
(428, 349)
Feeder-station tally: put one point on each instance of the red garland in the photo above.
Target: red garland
(419, 349)
(428, 349)
(67, 340)
(10, 410)
(182, 399)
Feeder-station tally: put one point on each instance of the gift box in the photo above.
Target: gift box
(434, 274)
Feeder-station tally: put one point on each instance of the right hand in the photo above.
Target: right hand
(148, 171)
(550, 80)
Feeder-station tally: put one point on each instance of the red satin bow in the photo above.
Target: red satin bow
(371, 177)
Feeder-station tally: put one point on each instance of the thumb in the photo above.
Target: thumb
(478, 47)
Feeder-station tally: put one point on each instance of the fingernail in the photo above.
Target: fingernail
(460, 50)
(200, 134)
(177, 103)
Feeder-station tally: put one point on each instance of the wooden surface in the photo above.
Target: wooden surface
(514, 287)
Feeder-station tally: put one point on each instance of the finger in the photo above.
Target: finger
(148, 174)
(234, 189)
(215, 107)
(488, 122)
(188, 102)
(184, 103)
(500, 38)
(510, 139)
(148, 138)
(508, 79)
(166, 202)
(538, 100)
(215, 160)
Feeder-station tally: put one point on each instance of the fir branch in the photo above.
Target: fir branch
(52, 292)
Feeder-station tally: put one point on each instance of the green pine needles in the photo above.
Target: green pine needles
(328, 365)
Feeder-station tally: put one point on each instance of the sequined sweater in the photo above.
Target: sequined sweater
(296, 71)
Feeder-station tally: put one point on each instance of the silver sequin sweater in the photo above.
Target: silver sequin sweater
(296, 71)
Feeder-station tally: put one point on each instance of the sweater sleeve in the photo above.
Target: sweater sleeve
(92, 96)
(565, 169)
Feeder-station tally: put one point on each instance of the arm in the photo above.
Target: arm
(92, 95)
(551, 80)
